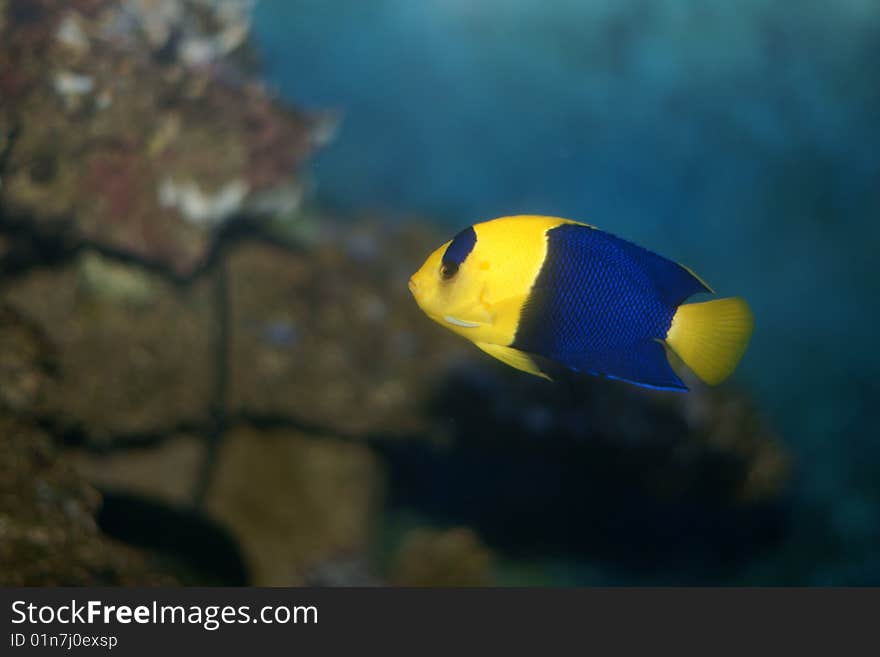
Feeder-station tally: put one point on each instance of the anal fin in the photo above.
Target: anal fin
(645, 364)
(513, 357)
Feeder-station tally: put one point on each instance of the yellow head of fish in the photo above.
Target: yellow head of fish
(476, 283)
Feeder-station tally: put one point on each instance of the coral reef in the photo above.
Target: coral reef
(133, 147)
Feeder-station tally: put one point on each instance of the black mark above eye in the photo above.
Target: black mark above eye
(448, 270)
(457, 252)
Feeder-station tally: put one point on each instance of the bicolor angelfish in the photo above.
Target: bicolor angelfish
(542, 292)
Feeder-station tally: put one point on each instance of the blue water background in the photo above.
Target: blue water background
(741, 138)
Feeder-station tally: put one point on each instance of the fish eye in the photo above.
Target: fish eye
(448, 270)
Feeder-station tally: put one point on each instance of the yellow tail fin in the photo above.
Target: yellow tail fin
(712, 336)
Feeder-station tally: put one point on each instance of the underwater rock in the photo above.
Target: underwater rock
(191, 32)
(182, 540)
(48, 533)
(670, 443)
(26, 362)
(353, 571)
(294, 501)
(71, 34)
(67, 84)
(133, 350)
(452, 557)
(167, 472)
(727, 421)
(200, 208)
(332, 338)
(131, 151)
(648, 482)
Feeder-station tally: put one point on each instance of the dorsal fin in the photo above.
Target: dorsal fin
(673, 282)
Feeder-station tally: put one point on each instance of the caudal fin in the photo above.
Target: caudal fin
(712, 336)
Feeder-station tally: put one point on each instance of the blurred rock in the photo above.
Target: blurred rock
(728, 422)
(26, 362)
(353, 571)
(333, 335)
(133, 351)
(166, 472)
(670, 444)
(294, 501)
(48, 533)
(194, 33)
(133, 152)
(593, 469)
(182, 540)
(453, 557)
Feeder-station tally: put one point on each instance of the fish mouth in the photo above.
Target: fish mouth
(418, 296)
(449, 319)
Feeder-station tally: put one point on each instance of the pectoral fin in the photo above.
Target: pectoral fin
(513, 357)
(455, 321)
